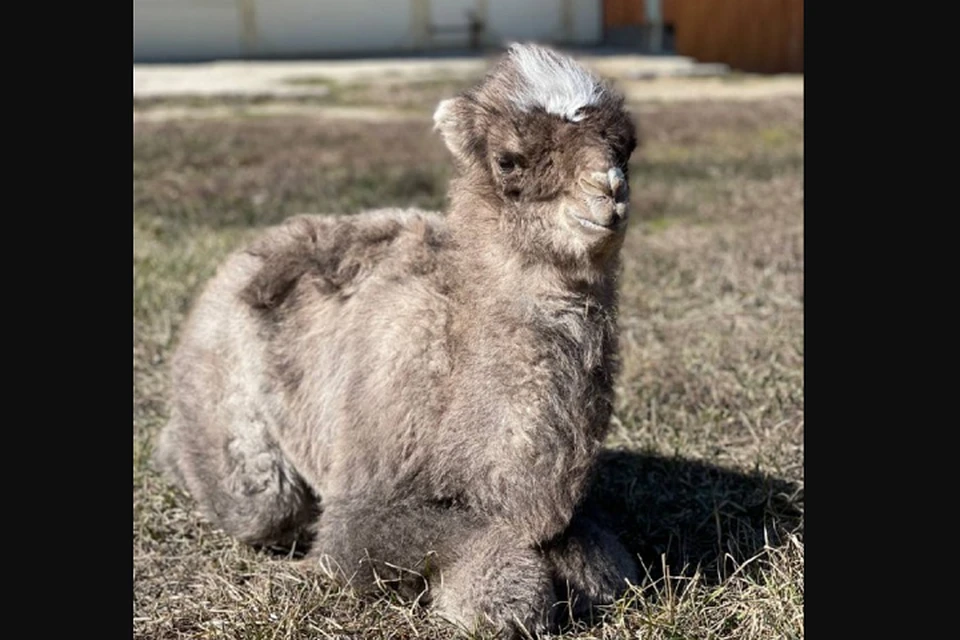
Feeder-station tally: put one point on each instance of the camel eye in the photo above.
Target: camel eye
(507, 163)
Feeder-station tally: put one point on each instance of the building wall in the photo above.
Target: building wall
(557, 21)
(172, 29)
(302, 27)
(207, 29)
(587, 21)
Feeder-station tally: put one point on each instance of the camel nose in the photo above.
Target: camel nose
(612, 184)
(617, 182)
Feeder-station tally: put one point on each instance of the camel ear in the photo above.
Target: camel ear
(454, 119)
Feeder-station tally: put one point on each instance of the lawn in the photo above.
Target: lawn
(704, 465)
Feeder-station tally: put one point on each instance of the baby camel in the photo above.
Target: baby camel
(421, 398)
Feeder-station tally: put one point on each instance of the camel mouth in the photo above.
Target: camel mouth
(616, 223)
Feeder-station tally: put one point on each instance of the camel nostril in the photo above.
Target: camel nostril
(617, 182)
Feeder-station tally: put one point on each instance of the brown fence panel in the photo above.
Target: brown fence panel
(763, 36)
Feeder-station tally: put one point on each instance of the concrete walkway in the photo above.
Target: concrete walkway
(643, 79)
(305, 78)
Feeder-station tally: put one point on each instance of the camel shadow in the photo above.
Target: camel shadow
(679, 513)
(688, 515)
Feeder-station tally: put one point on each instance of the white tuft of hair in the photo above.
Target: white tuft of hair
(556, 83)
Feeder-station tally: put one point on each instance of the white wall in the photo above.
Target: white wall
(173, 29)
(587, 21)
(206, 29)
(542, 20)
(528, 20)
(292, 27)
(449, 13)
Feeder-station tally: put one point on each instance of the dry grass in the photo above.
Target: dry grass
(705, 463)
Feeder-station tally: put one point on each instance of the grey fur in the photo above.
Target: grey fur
(439, 386)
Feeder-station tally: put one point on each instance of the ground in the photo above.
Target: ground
(704, 466)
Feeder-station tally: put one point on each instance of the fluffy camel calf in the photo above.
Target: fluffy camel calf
(421, 397)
